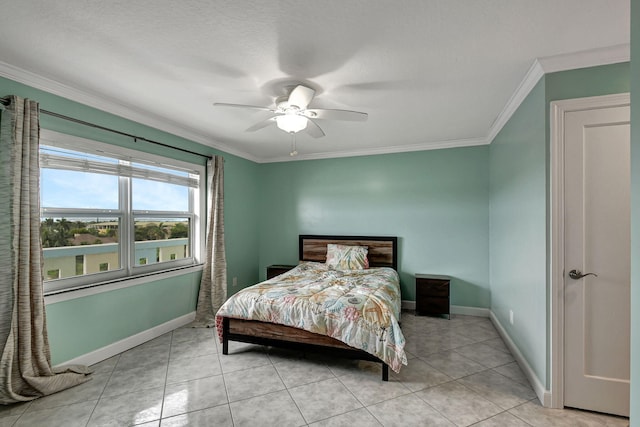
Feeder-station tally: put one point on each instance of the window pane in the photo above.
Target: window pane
(159, 196)
(79, 246)
(160, 169)
(57, 151)
(161, 240)
(73, 189)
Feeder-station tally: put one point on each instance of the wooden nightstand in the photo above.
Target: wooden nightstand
(432, 294)
(277, 269)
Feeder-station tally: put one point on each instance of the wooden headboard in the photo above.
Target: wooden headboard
(383, 251)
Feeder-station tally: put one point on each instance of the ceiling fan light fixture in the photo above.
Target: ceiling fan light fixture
(291, 123)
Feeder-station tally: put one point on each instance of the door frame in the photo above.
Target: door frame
(558, 109)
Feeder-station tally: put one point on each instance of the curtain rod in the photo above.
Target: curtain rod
(135, 138)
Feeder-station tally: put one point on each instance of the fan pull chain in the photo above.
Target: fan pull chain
(293, 152)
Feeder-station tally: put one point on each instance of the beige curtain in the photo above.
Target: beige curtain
(25, 361)
(213, 286)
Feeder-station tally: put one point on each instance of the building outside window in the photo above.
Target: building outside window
(109, 213)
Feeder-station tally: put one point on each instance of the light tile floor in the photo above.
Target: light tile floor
(459, 373)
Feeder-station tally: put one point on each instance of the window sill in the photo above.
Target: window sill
(66, 295)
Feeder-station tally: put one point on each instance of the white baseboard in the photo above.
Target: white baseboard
(128, 343)
(543, 394)
(470, 311)
(408, 305)
(455, 309)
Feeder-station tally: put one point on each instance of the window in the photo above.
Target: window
(53, 274)
(80, 265)
(109, 213)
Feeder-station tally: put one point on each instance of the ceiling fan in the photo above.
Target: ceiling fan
(292, 115)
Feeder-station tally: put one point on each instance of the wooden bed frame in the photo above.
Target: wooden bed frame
(382, 252)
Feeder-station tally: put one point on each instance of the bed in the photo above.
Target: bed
(350, 312)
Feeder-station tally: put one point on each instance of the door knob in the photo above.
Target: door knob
(577, 274)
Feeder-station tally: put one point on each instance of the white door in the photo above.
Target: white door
(597, 240)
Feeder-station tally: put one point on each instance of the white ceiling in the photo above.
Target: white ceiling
(430, 73)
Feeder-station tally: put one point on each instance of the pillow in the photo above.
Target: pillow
(343, 257)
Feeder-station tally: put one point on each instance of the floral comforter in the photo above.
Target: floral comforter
(358, 307)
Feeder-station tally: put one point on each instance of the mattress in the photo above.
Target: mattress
(358, 307)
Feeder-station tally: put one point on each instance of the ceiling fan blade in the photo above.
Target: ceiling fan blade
(301, 96)
(314, 130)
(262, 124)
(347, 115)
(248, 107)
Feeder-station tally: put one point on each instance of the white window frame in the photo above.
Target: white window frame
(126, 215)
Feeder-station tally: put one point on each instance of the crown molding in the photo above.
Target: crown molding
(110, 105)
(534, 74)
(436, 145)
(551, 64)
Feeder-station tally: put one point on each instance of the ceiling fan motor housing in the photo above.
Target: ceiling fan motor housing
(282, 102)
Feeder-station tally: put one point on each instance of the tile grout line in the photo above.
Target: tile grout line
(517, 417)
(22, 413)
(28, 404)
(188, 380)
(431, 406)
(222, 374)
(288, 391)
(102, 392)
(166, 379)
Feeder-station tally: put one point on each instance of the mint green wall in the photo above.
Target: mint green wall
(86, 324)
(436, 202)
(81, 325)
(592, 81)
(518, 228)
(519, 194)
(635, 213)
(241, 210)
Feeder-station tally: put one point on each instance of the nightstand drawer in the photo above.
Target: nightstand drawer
(435, 306)
(432, 294)
(432, 288)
